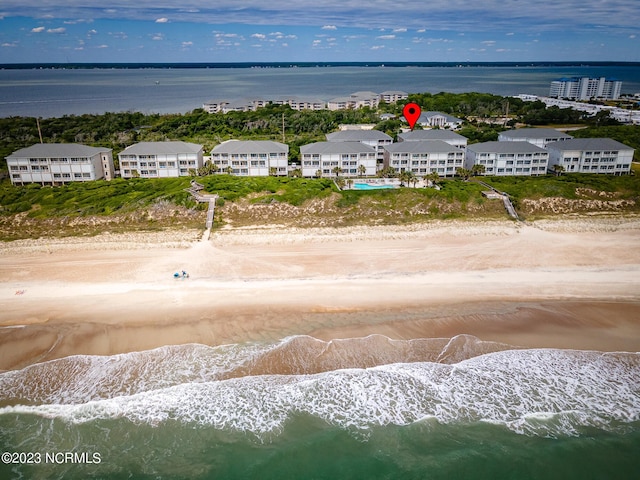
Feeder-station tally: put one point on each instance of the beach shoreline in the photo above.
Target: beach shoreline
(570, 283)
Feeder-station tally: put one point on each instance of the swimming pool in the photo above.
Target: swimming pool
(367, 186)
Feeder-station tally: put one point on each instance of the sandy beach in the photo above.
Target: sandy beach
(569, 283)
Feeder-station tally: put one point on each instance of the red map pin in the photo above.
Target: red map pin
(411, 112)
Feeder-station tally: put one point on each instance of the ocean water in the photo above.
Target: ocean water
(46, 92)
(304, 408)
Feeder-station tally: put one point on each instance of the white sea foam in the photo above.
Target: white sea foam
(536, 392)
(83, 378)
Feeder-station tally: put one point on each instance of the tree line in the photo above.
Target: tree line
(119, 130)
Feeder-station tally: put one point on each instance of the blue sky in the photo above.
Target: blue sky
(315, 30)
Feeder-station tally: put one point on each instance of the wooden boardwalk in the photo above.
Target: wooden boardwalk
(196, 192)
(505, 199)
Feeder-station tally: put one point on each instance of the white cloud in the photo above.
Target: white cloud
(399, 30)
(37, 29)
(92, 32)
(10, 45)
(57, 30)
(162, 20)
(259, 36)
(386, 37)
(377, 47)
(187, 44)
(157, 37)
(103, 46)
(489, 43)
(632, 36)
(329, 27)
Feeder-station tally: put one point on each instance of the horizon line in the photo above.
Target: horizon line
(247, 64)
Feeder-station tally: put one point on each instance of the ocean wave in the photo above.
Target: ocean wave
(542, 392)
(83, 378)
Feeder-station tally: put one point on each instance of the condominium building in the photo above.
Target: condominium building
(452, 138)
(255, 158)
(584, 88)
(235, 105)
(59, 163)
(508, 158)
(355, 100)
(352, 158)
(393, 96)
(160, 159)
(423, 157)
(300, 104)
(591, 155)
(373, 138)
(537, 136)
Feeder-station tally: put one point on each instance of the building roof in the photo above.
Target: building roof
(341, 100)
(534, 133)
(250, 146)
(336, 148)
(394, 92)
(505, 147)
(57, 150)
(426, 146)
(364, 95)
(357, 136)
(161, 148)
(595, 144)
(417, 135)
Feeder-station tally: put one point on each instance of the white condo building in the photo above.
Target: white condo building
(59, 163)
(355, 100)
(348, 156)
(508, 158)
(585, 88)
(160, 159)
(373, 138)
(537, 136)
(424, 157)
(591, 155)
(393, 96)
(253, 158)
(452, 138)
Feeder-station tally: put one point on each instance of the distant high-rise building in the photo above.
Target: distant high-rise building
(584, 88)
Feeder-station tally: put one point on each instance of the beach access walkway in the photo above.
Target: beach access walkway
(505, 199)
(196, 192)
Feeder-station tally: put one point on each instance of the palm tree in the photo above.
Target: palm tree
(229, 170)
(406, 176)
(350, 183)
(337, 171)
(410, 177)
(463, 173)
(318, 173)
(273, 171)
(558, 169)
(478, 170)
(362, 170)
(433, 177)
